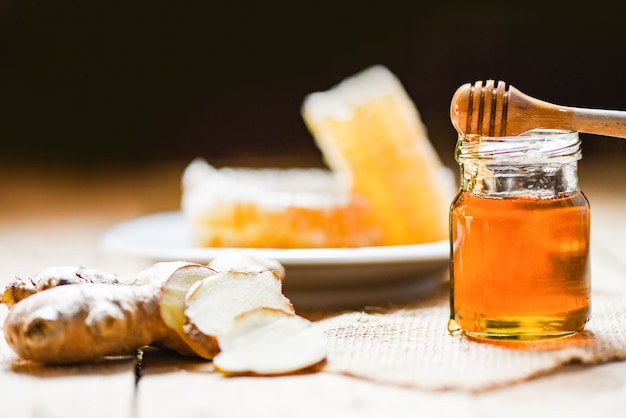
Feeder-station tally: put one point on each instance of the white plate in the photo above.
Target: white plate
(348, 272)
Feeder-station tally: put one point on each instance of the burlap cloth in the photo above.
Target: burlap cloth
(411, 347)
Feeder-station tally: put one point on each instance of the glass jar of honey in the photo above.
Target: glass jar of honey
(519, 236)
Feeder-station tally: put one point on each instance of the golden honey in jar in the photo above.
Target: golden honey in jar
(519, 236)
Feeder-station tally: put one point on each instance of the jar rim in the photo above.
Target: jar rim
(536, 146)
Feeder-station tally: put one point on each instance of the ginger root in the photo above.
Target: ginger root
(84, 322)
(73, 314)
(76, 314)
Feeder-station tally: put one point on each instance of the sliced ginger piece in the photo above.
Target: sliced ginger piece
(268, 341)
(172, 305)
(371, 134)
(174, 292)
(213, 303)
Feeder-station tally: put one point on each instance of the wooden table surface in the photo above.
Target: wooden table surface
(52, 216)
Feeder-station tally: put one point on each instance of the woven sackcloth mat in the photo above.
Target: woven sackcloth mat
(411, 347)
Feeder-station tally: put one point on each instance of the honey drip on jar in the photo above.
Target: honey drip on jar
(520, 266)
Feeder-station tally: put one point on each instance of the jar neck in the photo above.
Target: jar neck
(532, 181)
(538, 164)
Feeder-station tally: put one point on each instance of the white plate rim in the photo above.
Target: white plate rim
(122, 238)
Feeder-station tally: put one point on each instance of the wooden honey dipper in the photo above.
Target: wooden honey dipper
(496, 109)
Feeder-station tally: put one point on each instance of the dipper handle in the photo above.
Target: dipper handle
(496, 109)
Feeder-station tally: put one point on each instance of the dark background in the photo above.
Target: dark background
(147, 81)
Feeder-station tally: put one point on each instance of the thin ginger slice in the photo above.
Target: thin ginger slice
(213, 303)
(172, 306)
(268, 341)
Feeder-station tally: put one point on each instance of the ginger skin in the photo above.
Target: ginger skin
(51, 277)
